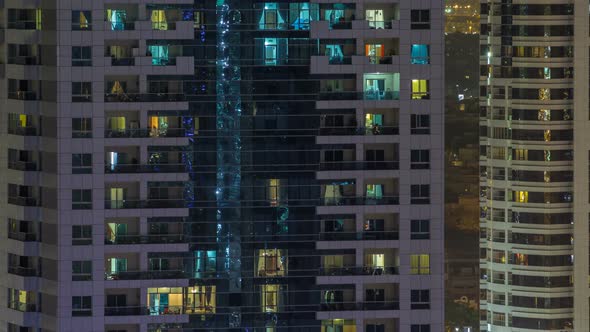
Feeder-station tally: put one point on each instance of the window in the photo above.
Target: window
(270, 295)
(81, 56)
(420, 54)
(81, 20)
(521, 196)
(420, 159)
(81, 235)
(81, 306)
(420, 328)
(420, 299)
(81, 163)
(81, 127)
(420, 124)
(420, 229)
(375, 327)
(200, 300)
(81, 270)
(420, 89)
(420, 194)
(81, 92)
(271, 262)
(81, 199)
(420, 19)
(420, 264)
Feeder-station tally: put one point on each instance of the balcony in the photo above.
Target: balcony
(22, 201)
(143, 97)
(149, 168)
(22, 236)
(22, 307)
(146, 239)
(22, 131)
(343, 200)
(143, 133)
(22, 165)
(358, 165)
(358, 271)
(147, 275)
(354, 95)
(348, 236)
(356, 306)
(346, 131)
(24, 60)
(23, 95)
(23, 271)
(145, 204)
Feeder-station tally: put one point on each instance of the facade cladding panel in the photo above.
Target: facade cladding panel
(229, 165)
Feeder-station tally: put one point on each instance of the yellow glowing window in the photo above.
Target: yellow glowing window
(334, 325)
(271, 262)
(419, 89)
(38, 18)
(117, 123)
(22, 120)
(547, 135)
(273, 191)
(333, 261)
(375, 260)
(544, 94)
(521, 196)
(270, 298)
(200, 300)
(159, 21)
(420, 264)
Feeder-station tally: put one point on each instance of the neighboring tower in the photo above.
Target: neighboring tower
(526, 128)
(221, 165)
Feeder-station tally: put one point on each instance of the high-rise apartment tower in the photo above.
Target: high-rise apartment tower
(534, 155)
(227, 165)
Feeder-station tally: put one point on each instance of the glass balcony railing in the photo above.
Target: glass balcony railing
(22, 165)
(146, 239)
(144, 132)
(149, 168)
(348, 236)
(344, 200)
(23, 271)
(376, 130)
(359, 165)
(22, 201)
(358, 270)
(354, 306)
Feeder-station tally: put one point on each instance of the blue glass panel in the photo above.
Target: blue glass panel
(420, 54)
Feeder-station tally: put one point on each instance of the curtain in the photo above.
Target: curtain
(159, 21)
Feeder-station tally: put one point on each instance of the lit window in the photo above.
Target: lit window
(274, 195)
(81, 20)
(271, 262)
(375, 261)
(117, 19)
(420, 264)
(338, 325)
(420, 89)
(271, 18)
(38, 18)
(114, 267)
(159, 21)
(376, 18)
(270, 51)
(420, 54)
(165, 300)
(270, 295)
(521, 196)
(159, 54)
(200, 300)
(374, 191)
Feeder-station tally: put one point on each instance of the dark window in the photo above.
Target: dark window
(420, 328)
(420, 194)
(420, 19)
(420, 299)
(420, 229)
(81, 306)
(81, 56)
(81, 235)
(375, 328)
(420, 159)
(81, 199)
(81, 127)
(81, 92)
(81, 163)
(420, 124)
(81, 20)
(81, 270)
